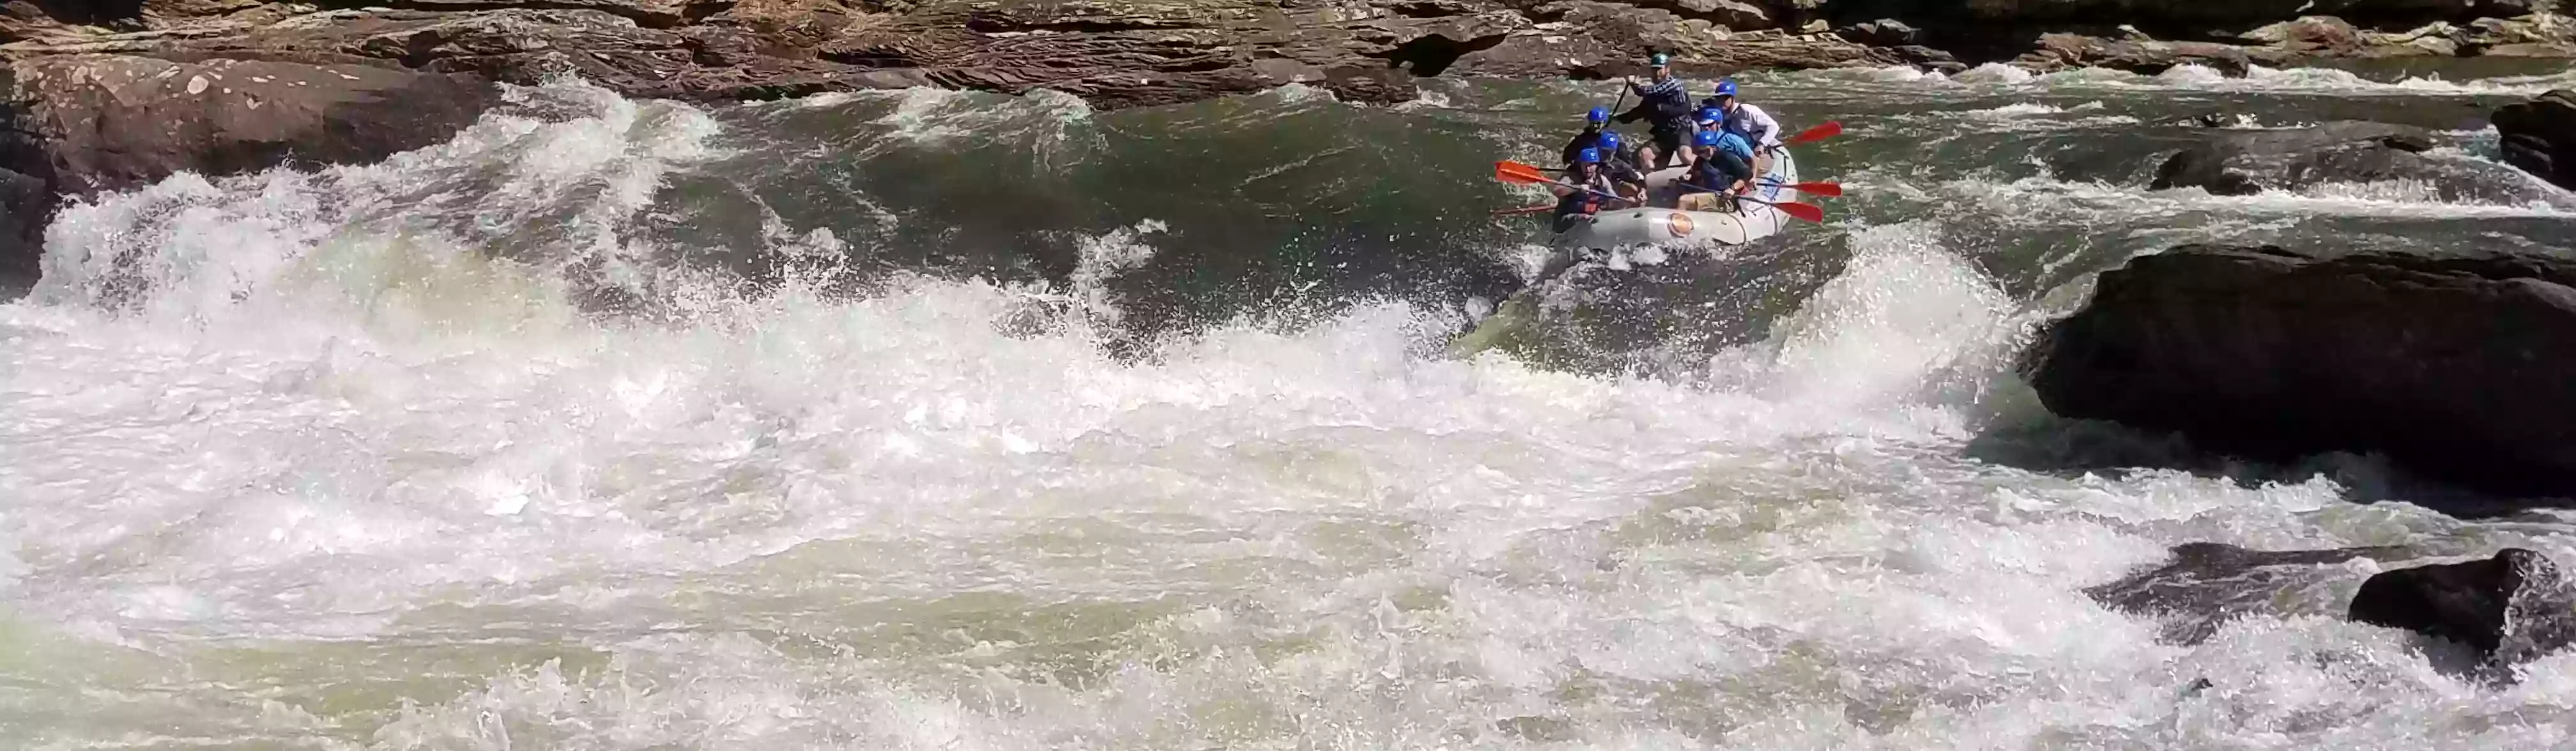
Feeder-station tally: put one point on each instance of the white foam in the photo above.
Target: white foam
(410, 496)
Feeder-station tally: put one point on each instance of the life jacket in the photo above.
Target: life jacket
(1585, 202)
(1706, 176)
(1733, 142)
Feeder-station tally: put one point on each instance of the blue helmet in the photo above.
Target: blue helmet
(1726, 87)
(1597, 115)
(1704, 138)
(1711, 115)
(1609, 141)
(1588, 156)
(1659, 60)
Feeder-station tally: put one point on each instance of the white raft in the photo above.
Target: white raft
(1645, 226)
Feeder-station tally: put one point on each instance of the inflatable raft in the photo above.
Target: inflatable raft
(1642, 226)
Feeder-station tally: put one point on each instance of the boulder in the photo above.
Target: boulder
(2232, 163)
(2206, 584)
(2511, 608)
(2204, 167)
(2452, 363)
(2539, 136)
(85, 123)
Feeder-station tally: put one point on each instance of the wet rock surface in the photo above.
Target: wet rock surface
(2448, 362)
(2510, 608)
(2206, 584)
(2539, 136)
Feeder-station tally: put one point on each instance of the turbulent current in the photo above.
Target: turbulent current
(941, 420)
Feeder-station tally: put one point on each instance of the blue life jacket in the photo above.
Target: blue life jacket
(1732, 142)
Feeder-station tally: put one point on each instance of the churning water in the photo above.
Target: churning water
(940, 420)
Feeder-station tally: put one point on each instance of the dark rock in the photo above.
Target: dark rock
(1885, 32)
(2207, 584)
(25, 203)
(2453, 363)
(2241, 163)
(2511, 608)
(2539, 136)
(2204, 167)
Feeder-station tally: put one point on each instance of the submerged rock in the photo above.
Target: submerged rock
(2241, 163)
(2539, 136)
(2451, 363)
(2207, 584)
(2511, 608)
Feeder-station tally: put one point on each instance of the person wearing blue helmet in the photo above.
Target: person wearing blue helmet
(1618, 160)
(1748, 121)
(1586, 191)
(1666, 104)
(1595, 123)
(1724, 168)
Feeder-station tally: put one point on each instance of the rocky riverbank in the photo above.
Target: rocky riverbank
(95, 86)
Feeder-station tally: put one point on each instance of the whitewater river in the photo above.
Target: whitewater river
(956, 421)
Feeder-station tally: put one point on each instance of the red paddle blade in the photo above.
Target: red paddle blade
(1828, 190)
(1829, 129)
(1516, 172)
(1805, 211)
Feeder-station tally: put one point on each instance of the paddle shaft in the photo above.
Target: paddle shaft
(1783, 207)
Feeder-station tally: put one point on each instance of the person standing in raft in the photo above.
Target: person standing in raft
(1666, 104)
(1748, 121)
(1595, 124)
(1722, 172)
(1587, 191)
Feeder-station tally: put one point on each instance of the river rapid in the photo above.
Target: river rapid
(928, 419)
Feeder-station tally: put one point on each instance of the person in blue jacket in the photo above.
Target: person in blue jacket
(1723, 171)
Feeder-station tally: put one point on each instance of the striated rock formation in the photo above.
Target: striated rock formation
(2448, 362)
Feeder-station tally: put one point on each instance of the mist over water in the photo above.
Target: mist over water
(942, 420)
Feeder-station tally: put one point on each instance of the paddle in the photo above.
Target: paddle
(1516, 172)
(1805, 211)
(1829, 129)
(1828, 190)
(1524, 210)
(1614, 104)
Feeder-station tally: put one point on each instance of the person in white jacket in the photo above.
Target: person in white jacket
(1755, 125)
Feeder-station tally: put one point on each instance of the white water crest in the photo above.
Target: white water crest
(288, 466)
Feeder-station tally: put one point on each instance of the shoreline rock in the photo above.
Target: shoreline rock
(2448, 362)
